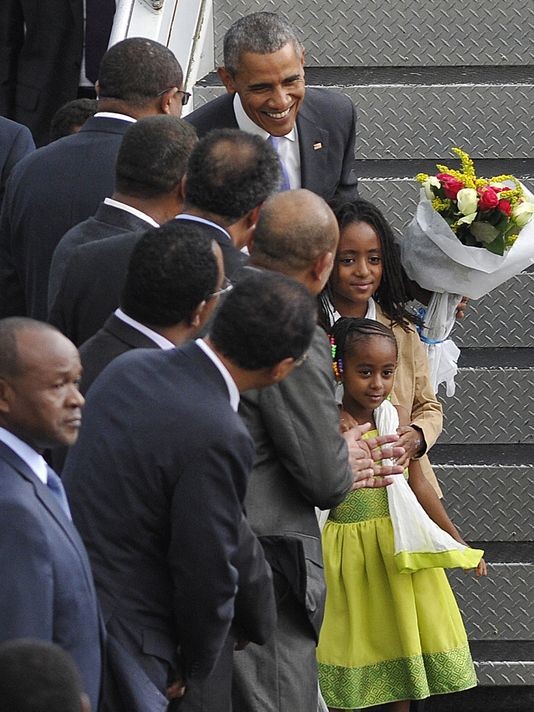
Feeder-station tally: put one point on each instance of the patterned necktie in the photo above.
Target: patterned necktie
(275, 143)
(98, 23)
(55, 485)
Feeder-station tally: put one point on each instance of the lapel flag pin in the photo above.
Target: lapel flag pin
(317, 146)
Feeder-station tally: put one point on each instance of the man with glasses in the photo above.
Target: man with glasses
(62, 184)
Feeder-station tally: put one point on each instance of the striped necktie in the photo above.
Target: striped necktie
(275, 143)
(54, 484)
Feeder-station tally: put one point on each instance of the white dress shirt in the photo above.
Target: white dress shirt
(233, 392)
(129, 209)
(158, 339)
(288, 147)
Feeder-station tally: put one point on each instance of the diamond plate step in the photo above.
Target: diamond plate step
(383, 33)
(491, 405)
(490, 502)
(497, 607)
(400, 121)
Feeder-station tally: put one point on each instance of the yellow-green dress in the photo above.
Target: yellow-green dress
(386, 636)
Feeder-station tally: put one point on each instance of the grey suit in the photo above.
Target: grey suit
(326, 125)
(301, 463)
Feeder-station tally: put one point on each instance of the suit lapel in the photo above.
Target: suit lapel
(128, 334)
(313, 144)
(47, 499)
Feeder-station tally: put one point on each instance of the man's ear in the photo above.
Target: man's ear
(97, 88)
(280, 370)
(198, 316)
(166, 99)
(85, 705)
(322, 267)
(227, 79)
(5, 390)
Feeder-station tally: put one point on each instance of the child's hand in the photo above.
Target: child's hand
(481, 569)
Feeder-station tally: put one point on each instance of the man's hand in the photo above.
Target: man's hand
(176, 690)
(411, 439)
(364, 455)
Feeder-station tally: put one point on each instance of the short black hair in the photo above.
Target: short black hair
(260, 33)
(71, 116)
(230, 172)
(392, 293)
(136, 70)
(153, 156)
(349, 331)
(10, 366)
(171, 271)
(37, 676)
(266, 318)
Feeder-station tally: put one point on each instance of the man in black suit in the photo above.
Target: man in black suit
(62, 184)
(174, 455)
(15, 143)
(163, 302)
(40, 58)
(47, 589)
(151, 163)
(229, 175)
(313, 129)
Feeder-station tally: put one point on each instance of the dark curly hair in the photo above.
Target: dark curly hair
(392, 293)
(230, 172)
(348, 331)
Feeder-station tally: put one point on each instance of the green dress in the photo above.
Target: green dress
(386, 636)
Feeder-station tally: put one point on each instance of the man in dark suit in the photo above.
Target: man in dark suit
(312, 129)
(15, 143)
(62, 184)
(229, 175)
(173, 451)
(151, 163)
(301, 463)
(40, 58)
(163, 302)
(47, 588)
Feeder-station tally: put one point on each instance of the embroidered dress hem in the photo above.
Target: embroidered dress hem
(414, 678)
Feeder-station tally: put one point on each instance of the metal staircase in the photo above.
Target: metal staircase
(425, 76)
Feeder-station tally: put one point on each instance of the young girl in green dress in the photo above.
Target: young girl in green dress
(387, 637)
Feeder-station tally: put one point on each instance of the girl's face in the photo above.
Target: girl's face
(368, 371)
(357, 269)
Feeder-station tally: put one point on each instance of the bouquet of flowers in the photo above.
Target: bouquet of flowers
(469, 235)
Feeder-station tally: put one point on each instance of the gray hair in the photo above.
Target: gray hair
(260, 33)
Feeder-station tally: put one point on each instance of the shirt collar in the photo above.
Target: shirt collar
(158, 339)
(129, 209)
(31, 457)
(233, 392)
(196, 218)
(245, 123)
(114, 115)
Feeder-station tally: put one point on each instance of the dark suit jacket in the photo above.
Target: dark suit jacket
(159, 505)
(301, 463)
(106, 222)
(15, 143)
(94, 277)
(113, 339)
(326, 118)
(40, 58)
(48, 192)
(47, 589)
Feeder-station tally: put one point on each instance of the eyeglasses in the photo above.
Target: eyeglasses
(186, 95)
(302, 359)
(227, 286)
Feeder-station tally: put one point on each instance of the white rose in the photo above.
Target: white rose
(522, 213)
(430, 182)
(467, 201)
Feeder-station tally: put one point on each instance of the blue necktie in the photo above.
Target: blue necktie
(275, 143)
(55, 485)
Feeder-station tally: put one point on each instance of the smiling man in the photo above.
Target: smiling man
(313, 130)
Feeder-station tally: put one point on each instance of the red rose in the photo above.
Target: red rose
(488, 199)
(505, 207)
(451, 185)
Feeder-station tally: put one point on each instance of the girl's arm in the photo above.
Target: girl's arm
(432, 505)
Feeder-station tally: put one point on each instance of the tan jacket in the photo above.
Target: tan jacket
(413, 391)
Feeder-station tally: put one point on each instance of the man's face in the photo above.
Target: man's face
(42, 404)
(271, 87)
